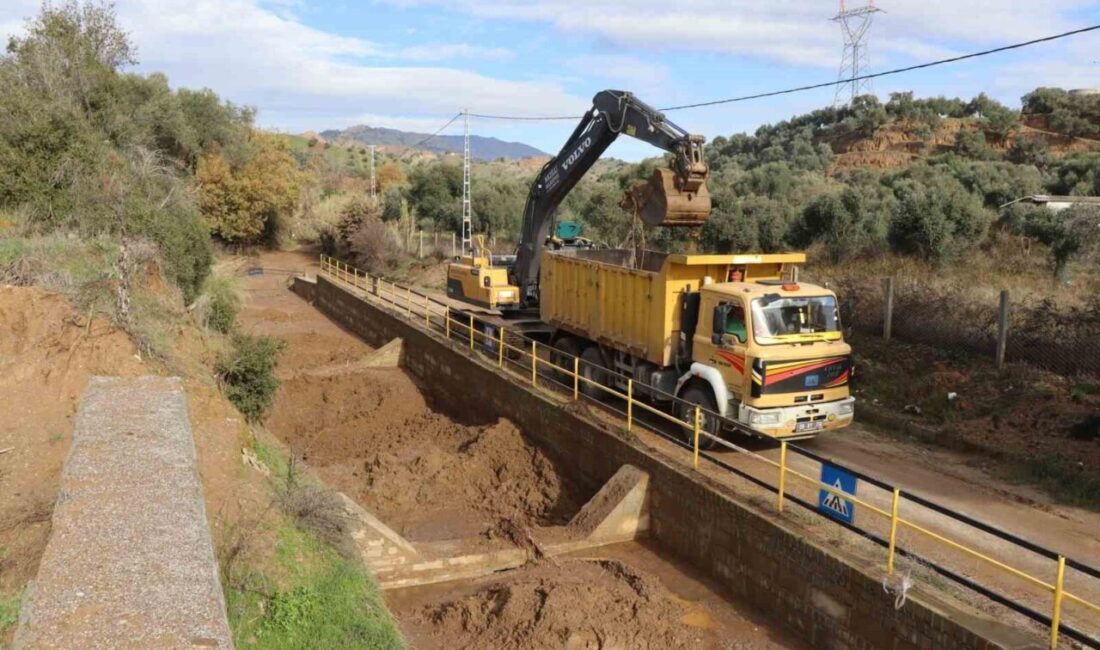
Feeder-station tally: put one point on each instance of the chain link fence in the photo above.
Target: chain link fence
(977, 322)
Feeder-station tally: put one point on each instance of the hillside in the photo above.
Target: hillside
(481, 147)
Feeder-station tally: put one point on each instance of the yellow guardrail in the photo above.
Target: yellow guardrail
(438, 316)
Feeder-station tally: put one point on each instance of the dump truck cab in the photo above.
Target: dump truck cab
(772, 351)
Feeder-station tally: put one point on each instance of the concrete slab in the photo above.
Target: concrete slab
(130, 563)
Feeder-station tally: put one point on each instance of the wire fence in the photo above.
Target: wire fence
(987, 324)
(920, 540)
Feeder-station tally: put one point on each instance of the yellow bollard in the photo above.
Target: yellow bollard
(782, 476)
(471, 331)
(698, 417)
(1056, 617)
(500, 350)
(629, 404)
(534, 363)
(893, 532)
(576, 378)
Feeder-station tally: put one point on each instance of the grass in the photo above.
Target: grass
(9, 610)
(309, 597)
(305, 593)
(1061, 479)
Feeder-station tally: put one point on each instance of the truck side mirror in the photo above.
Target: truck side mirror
(718, 323)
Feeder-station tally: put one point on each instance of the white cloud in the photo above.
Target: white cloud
(791, 32)
(451, 51)
(253, 53)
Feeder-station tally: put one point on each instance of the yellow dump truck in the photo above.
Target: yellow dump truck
(735, 334)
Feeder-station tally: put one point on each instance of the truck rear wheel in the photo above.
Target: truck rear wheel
(566, 349)
(594, 370)
(703, 396)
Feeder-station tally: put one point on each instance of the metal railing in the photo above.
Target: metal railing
(573, 378)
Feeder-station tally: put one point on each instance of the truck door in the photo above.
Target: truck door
(721, 338)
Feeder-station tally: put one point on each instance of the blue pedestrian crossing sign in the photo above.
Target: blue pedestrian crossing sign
(833, 504)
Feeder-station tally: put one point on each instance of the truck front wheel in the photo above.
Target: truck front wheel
(696, 394)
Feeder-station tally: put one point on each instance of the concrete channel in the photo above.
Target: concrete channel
(820, 595)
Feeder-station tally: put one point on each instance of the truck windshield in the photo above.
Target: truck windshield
(776, 319)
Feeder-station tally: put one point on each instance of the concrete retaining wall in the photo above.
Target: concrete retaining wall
(821, 595)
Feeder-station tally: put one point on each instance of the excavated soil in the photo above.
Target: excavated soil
(371, 435)
(369, 432)
(571, 604)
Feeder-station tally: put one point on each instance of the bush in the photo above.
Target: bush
(223, 303)
(248, 374)
(936, 220)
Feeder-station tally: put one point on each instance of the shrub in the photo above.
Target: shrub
(936, 220)
(223, 303)
(248, 374)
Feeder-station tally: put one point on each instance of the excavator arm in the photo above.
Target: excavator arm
(674, 196)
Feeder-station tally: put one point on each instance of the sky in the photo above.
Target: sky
(413, 64)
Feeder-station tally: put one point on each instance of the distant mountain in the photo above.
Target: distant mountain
(481, 147)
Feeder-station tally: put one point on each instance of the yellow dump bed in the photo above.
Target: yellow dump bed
(631, 302)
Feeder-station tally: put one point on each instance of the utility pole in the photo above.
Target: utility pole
(373, 194)
(854, 24)
(467, 217)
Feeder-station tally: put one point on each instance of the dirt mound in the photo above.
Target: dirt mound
(578, 604)
(372, 436)
(47, 353)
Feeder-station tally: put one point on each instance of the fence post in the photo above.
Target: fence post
(888, 309)
(408, 302)
(629, 404)
(471, 331)
(447, 319)
(420, 248)
(1002, 329)
(893, 532)
(782, 476)
(428, 313)
(576, 378)
(1056, 617)
(452, 244)
(500, 350)
(534, 363)
(698, 416)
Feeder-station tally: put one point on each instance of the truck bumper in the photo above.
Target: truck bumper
(798, 422)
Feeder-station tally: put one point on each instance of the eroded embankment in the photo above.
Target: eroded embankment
(370, 434)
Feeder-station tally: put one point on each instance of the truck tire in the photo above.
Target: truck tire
(594, 370)
(566, 349)
(702, 395)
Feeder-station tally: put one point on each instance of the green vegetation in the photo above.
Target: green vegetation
(305, 593)
(1063, 479)
(248, 374)
(9, 610)
(311, 598)
(223, 303)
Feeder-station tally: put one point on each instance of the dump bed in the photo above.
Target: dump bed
(631, 301)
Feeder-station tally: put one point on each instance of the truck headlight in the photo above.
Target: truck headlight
(846, 408)
(764, 418)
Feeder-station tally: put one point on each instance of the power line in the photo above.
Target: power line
(827, 84)
(437, 132)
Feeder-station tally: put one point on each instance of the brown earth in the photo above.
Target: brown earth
(370, 433)
(47, 354)
(569, 604)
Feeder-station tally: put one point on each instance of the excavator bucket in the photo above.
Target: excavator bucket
(666, 200)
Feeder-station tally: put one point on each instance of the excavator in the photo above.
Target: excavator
(676, 195)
